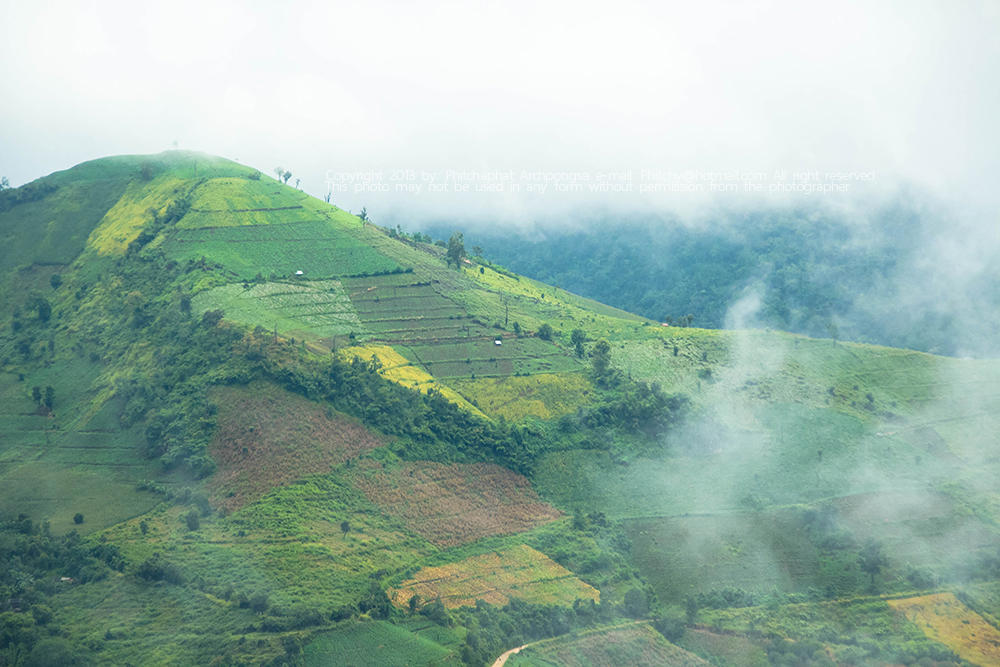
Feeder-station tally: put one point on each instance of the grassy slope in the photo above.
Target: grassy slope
(892, 425)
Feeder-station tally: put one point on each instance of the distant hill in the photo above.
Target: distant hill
(239, 425)
(889, 277)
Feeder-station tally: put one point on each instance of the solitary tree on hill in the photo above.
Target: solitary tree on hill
(871, 560)
(456, 249)
(279, 172)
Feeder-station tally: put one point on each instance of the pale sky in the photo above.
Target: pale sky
(908, 91)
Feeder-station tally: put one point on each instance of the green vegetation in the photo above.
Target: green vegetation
(405, 455)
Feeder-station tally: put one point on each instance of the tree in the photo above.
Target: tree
(44, 308)
(478, 250)
(50, 397)
(832, 329)
(345, 527)
(143, 527)
(36, 394)
(55, 280)
(577, 337)
(193, 520)
(517, 328)
(286, 176)
(545, 331)
(297, 181)
(414, 603)
(4, 184)
(363, 216)
(456, 249)
(279, 172)
(871, 560)
(691, 609)
(601, 358)
(78, 518)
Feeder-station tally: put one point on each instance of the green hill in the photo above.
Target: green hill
(238, 417)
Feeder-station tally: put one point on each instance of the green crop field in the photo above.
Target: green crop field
(377, 644)
(314, 247)
(318, 307)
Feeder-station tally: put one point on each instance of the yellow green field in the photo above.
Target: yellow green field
(399, 369)
(547, 396)
(944, 619)
(518, 572)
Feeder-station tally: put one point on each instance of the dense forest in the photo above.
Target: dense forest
(896, 275)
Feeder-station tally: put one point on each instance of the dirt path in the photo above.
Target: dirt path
(503, 658)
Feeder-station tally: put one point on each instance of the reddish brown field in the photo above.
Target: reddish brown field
(267, 437)
(458, 503)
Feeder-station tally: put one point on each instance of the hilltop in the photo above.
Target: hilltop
(255, 428)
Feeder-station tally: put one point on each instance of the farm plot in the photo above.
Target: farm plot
(316, 248)
(483, 358)
(546, 396)
(519, 572)
(376, 644)
(267, 437)
(946, 620)
(401, 370)
(401, 309)
(457, 503)
(320, 307)
(231, 202)
(636, 645)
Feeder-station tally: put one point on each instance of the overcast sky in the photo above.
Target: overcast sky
(908, 90)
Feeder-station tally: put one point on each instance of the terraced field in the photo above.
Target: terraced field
(318, 309)
(636, 645)
(519, 572)
(315, 247)
(234, 202)
(457, 503)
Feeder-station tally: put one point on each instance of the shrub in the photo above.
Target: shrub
(78, 518)
(193, 520)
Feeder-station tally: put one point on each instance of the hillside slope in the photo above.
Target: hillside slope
(242, 420)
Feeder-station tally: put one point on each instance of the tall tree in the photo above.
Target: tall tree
(601, 358)
(871, 560)
(456, 249)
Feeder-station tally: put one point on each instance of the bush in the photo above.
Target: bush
(193, 520)
(259, 603)
(78, 518)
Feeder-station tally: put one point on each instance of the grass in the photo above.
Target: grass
(681, 556)
(290, 544)
(518, 572)
(454, 504)
(376, 644)
(724, 650)
(123, 620)
(636, 645)
(546, 396)
(946, 620)
(268, 437)
(56, 492)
